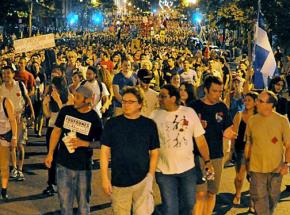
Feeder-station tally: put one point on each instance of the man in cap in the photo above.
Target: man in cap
(150, 102)
(76, 127)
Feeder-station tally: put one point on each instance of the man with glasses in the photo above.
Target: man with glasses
(131, 140)
(175, 173)
(267, 134)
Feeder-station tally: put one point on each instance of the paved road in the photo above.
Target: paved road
(26, 197)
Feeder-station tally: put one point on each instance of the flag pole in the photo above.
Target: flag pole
(251, 48)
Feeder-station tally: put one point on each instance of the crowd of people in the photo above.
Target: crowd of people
(161, 108)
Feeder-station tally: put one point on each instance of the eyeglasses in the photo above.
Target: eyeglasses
(130, 102)
(163, 96)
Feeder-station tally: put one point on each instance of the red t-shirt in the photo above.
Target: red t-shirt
(27, 78)
(109, 64)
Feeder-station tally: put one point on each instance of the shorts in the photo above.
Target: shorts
(240, 159)
(211, 186)
(140, 196)
(21, 130)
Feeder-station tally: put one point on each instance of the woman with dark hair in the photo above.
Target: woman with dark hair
(40, 82)
(239, 126)
(277, 85)
(52, 103)
(187, 95)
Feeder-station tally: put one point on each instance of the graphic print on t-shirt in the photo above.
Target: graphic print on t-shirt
(77, 125)
(176, 131)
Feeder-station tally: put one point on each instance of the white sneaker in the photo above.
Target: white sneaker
(14, 173)
(20, 176)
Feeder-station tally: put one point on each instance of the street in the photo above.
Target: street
(25, 198)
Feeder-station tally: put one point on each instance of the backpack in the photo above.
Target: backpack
(27, 110)
(22, 90)
(5, 110)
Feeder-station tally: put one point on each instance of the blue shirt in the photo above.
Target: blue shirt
(122, 81)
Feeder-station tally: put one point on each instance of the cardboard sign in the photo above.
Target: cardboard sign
(136, 44)
(77, 125)
(34, 43)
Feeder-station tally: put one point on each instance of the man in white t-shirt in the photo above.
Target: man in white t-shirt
(175, 174)
(150, 102)
(100, 93)
(11, 89)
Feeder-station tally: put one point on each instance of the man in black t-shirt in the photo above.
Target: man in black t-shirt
(131, 140)
(216, 121)
(75, 128)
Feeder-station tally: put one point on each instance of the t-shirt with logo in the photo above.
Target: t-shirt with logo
(88, 127)
(176, 130)
(218, 119)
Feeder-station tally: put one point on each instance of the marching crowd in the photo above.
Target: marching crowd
(162, 111)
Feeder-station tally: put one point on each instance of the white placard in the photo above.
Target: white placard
(77, 125)
(34, 43)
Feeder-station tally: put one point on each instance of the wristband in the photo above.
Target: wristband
(13, 138)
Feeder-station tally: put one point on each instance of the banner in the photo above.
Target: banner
(34, 43)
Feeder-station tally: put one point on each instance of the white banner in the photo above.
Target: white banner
(34, 43)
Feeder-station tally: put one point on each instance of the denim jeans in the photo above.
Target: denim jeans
(71, 183)
(177, 192)
(265, 191)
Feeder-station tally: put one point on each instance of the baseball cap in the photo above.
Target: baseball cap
(145, 75)
(85, 91)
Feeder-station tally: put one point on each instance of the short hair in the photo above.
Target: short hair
(209, 80)
(94, 69)
(172, 91)
(8, 68)
(272, 98)
(253, 95)
(136, 91)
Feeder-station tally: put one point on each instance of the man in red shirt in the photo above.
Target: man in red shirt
(26, 77)
(105, 61)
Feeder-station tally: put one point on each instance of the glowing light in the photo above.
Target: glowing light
(197, 17)
(97, 18)
(72, 18)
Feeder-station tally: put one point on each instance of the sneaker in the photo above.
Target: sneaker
(4, 195)
(49, 191)
(14, 173)
(20, 176)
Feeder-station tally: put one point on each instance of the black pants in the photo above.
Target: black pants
(52, 169)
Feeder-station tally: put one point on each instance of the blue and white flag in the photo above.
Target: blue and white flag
(264, 61)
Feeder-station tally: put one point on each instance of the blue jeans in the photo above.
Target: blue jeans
(70, 183)
(177, 192)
